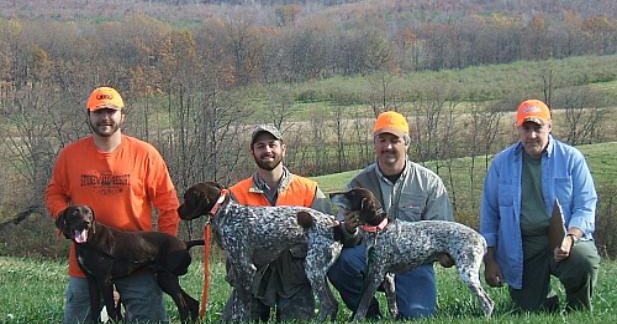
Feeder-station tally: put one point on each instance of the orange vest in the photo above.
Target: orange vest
(298, 192)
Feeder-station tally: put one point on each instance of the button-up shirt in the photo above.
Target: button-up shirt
(565, 177)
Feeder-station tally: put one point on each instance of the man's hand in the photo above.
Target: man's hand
(562, 252)
(492, 271)
(351, 221)
(492, 274)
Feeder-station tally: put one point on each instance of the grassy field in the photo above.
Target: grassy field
(32, 292)
(600, 157)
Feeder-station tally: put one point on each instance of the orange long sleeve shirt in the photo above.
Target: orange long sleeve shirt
(121, 187)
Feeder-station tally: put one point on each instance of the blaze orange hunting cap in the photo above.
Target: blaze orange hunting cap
(391, 122)
(534, 111)
(104, 97)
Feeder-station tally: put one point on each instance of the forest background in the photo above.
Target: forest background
(199, 75)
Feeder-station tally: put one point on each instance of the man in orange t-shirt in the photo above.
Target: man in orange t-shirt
(121, 178)
(282, 284)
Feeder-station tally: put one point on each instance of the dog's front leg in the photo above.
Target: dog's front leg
(95, 299)
(390, 290)
(373, 280)
(244, 275)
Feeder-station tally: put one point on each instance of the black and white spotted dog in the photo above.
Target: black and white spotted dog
(246, 231)
(396, 246)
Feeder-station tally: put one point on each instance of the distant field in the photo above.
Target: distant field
(486, 85)
(600, 157)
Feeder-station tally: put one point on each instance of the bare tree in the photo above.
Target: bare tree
(380, 92)
(280, 104)
(582, 121)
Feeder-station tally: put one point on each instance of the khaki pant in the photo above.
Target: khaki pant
(281, 285)
(578, 274)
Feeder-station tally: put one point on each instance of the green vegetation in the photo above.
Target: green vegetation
(600, 157)
(32, 292)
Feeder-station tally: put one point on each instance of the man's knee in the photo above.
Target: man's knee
(583, 262)
(416, 293)
(76, 301)
(350, 264)
(142, 298)
(300, 306)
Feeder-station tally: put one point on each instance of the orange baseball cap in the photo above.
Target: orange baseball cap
(534, 111)
(104, 97)
(391, 122)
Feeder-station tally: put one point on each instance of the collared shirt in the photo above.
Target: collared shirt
(418, 194)
(565, 177)
(271, 193)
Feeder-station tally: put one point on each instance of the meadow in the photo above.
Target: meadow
(31, 289)
(32, 292)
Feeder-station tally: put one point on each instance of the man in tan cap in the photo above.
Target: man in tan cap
(282, 284)
(121, 178)
(524, 184)
(407, 191)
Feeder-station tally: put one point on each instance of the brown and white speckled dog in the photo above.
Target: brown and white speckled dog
(246, 231)
(395, 246)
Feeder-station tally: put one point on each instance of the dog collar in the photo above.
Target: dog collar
(219, 202)
(375, 228)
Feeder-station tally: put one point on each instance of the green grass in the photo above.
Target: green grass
(32, 292)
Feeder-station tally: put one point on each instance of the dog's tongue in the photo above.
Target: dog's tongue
(81, 237)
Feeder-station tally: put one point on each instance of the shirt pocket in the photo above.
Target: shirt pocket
(563, 188)
(505, 195)
(411, 206)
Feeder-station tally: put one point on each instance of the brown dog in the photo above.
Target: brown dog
(106, 254)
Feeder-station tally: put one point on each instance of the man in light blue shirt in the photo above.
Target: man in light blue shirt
(523, 184)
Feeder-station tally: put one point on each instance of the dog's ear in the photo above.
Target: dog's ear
(215, 184)
(364, 204)
(61, 223)
(92, 213)
(304, 219)
(93, 220)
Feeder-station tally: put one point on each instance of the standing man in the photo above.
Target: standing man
(283, 283)
(521, 188)
(121, 178)
(408, 192)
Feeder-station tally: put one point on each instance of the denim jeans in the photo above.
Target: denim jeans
(140, 295)
(416, 292)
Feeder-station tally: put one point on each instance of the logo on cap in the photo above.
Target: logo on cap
(104, 97)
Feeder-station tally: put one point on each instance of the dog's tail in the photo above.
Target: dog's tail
(192, 243)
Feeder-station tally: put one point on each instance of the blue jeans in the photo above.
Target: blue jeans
(416, 291)
(140, 295)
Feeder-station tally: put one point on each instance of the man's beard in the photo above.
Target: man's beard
(114, 128)
(268, 165)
